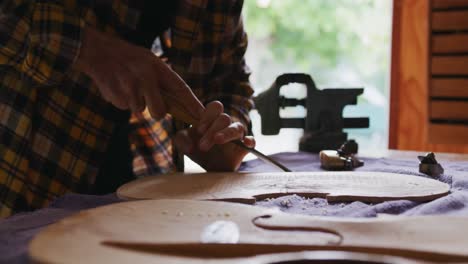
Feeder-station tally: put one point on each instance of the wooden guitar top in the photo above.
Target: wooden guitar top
(248, 187)
(172, 231)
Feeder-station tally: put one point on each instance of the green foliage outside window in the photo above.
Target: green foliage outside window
(316, 36)
(341, 43)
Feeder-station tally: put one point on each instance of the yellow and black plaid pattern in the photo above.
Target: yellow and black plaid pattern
(54, 125)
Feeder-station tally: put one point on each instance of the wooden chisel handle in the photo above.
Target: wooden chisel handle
(178, 110)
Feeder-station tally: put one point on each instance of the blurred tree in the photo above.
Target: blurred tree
(317, 36)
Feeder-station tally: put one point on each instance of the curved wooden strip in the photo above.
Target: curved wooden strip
(371, 187)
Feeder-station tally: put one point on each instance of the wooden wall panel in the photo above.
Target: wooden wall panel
(449, 20)
(450, 43)
(411, 86)
(447, 4)
(448, 114)
(451, 110)
(449, 65)
(451, 134)
(449, 87)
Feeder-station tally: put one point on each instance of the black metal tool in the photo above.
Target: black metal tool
(429, 165)
(323, 125)
(261, 156)
(342, 159)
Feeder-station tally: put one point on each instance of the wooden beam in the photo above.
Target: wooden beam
(409, 87)
(395, 75)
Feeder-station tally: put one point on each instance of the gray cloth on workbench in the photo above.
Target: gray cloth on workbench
(456, 203)
(17, 231)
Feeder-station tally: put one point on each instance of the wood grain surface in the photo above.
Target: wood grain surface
(170, 231)
(449, 20)
(449, 65)
(449, 87)
(442, 109)
(449, 4)
(248, 187)
(450, 43)
(450, 134)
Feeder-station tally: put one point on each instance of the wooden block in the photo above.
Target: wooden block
(450, 43)
(449, 65)
(448, 134)
(445, 87)
(171, 231)
(449, 110)
(443, 4)
(248, 187)
(449, 20)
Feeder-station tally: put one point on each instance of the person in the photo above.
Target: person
(80, 93)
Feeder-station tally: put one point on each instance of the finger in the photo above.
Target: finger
(207, 140)
(131, 86)
(233, 132)
(249, 141)
(212, 111)
(136, 103)
(183, 142)
(110, 89)
(139, 64)
(141, 104)
(154, 102)
(104, 91)
(174, 84)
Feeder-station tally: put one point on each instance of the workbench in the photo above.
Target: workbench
(18, 230)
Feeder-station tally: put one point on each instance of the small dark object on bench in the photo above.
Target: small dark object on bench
(341, 159)
(429, 165)
(350, 147)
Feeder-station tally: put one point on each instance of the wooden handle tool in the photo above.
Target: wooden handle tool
(179, 111)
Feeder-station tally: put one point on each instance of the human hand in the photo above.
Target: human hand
(206, 142)
(131, 77)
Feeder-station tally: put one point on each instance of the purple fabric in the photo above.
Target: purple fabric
(17, 231)
(456, 203)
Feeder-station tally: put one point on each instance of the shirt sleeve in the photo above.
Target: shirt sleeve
(41, 39)
(231, 83)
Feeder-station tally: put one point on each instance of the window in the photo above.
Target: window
(340, 43)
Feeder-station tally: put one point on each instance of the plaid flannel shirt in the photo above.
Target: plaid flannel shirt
(55, 126)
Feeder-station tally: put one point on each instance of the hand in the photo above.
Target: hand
(131, 77)
(206, 142)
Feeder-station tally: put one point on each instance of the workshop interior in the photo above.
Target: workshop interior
(346, 142)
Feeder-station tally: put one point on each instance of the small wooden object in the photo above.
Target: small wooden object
(248, 187)
(170, 231)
